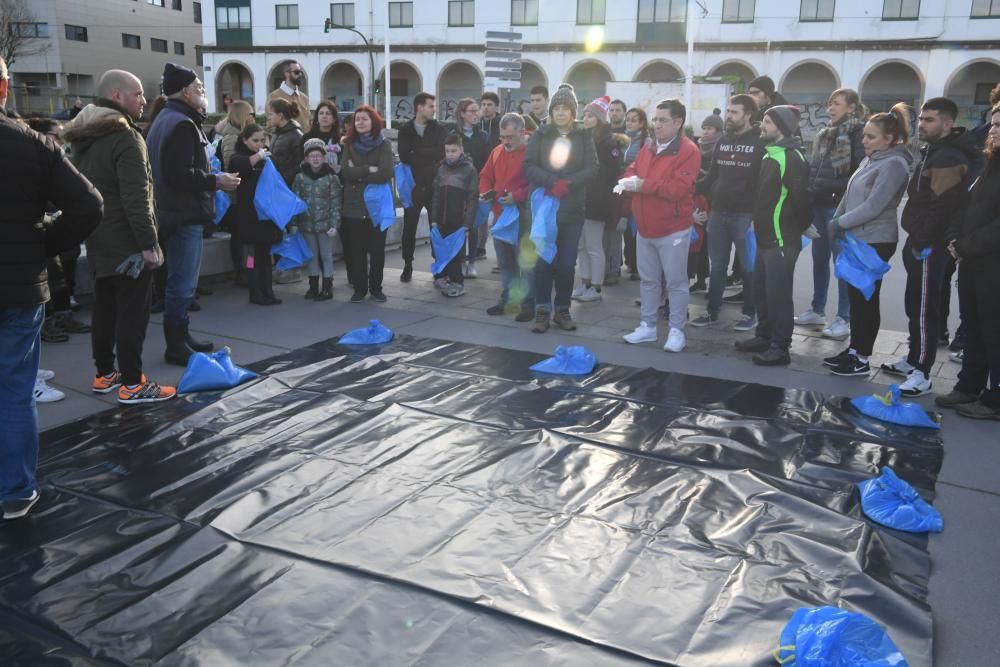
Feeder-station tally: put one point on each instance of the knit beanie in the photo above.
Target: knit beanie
(764, 84)
(564, 95)
(599, 108)
(786, 117)
(176, 78)
(714, 120)
(313, 144)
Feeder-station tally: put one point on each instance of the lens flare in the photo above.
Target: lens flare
(594, 40)
(560, 153)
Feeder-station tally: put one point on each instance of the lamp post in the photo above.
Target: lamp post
(330, 25)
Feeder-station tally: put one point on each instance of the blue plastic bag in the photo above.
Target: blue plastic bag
(375, 333)
(806, 241)
(293, 252)
(859, 265)
(633, 225)
(694, 234)
(888, 408)
(381, 207)
(210, 372)
(482, 213)
(832, 637)
(506, 226)
(892, 502)
(222, 203)
(573, 360)
(445, 247)
(404, 184)
(543, 224)
(273, 200)
(751, 241)
(216, 164)
(923, 254)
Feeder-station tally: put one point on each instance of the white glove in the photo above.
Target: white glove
(700, 217)
(622, 225)
(263, 153)
(630, 184)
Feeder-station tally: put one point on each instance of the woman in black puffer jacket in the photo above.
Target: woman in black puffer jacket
(286, 140)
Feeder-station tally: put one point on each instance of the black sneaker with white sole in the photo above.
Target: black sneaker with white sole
(852, 366)
(838, 358)
(18, 507)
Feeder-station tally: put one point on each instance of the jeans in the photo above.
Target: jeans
(724, 231)
(183, 266)
(20, 346)
(822, 251)
(515, 277)
(665, 255)
(321, 245)
(772, 288)
(562, 269)
(119, 321)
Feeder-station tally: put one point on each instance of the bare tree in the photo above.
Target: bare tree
(16, 31)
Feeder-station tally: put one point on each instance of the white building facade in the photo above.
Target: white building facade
(889, 50)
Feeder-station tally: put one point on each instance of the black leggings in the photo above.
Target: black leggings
(866, 316)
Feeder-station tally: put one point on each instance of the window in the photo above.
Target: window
(589, 12)
(461, 12)
(76, 33)
(157, 3)
(737, 11)
(196, 8)
(176, 5)
(816, 10)
(158, 45)
(232, 18)
(662, 11)
(342, 13)
(901, 10)
(524, 12)
(400, 14)
(30, 30)
(985, 9)
(286, 16)
(199, 59)
(131, 41)
(178, 48)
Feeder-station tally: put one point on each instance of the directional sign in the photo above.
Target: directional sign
(493, 34)
(503, 60)
(503, 55)
(511, 46)
(504, 64)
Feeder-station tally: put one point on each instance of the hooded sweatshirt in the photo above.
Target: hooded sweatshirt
(456, 194)
(868, 207)
(783, 206)
(731, 182)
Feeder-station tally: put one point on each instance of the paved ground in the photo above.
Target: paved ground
(964, 584)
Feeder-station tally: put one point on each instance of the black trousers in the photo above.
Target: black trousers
(367, 254)
(924, 278)
(118, 324)
(259, 277)
(980, 309)
(772, 292)
(411, 217)
(453, 270)
(629, 237)
(866, 316)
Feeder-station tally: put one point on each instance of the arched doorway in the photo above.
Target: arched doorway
(809, 85)
(235, 80)
(277, 76)
(889, 83)
(406, 82)
(739, 70)
(458, 79)
(342, 83)
(658, 71)
(517, 100)
(970, 88)
(589, 79)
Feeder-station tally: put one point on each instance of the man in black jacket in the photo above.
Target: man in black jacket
(421, 145)
(35, 172)
(489, 121)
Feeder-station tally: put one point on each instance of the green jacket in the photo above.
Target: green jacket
(323, 193)
(107, 148)
(783, 209)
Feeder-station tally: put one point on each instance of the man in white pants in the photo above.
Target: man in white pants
(662, 182)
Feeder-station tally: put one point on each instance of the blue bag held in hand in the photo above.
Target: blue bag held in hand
(573, 360)
(633, 225)
(210, 372)
(381, 207)
(482, 213)
(506, 228)
(859, 265)
(751, 241)
(404, 184)
(832, 637)
(888, 408)
(222, 203)
(543, 224)
(374, 334)
(890, 501)
(273, 200)
(445, 247)
(293, 251)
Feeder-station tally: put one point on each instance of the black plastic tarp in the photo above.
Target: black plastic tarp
(436, 503)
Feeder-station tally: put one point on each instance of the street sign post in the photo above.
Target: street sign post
(503, 60)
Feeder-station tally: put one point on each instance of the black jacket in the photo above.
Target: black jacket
(423, 154)
(252, 230)
(783, 208)
(579, 169)
(977, 235)
(731, 182)
(491, 126)
(34, 173)
(939, 189)
(286, 150)
(356, 178)
(601, 202)
(476, 147)
(456, 194)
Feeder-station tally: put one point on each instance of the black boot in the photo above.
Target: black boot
(197, 345)
(407, 274)
(177, 348)
(257, 294)
(313, 290)
(327, 293)
(267, 284)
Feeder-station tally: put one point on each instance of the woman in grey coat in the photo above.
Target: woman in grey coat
(868, 211)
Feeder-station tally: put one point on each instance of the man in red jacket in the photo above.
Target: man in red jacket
(662, 179)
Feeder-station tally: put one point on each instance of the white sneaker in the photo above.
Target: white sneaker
(590, 294)
(839, 329)
(810, 319)
(900, 367)
(46, 394)
(675, 341)
(471, 271)
(644, 333)
(575, 296)
(916, 384)
(956, 357)
(44, 374)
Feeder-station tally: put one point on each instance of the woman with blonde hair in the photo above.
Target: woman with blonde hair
(239, 116)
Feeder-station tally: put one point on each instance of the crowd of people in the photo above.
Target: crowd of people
(632, 195)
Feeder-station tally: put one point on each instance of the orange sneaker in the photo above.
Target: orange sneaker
(146, 391)
(105, 384)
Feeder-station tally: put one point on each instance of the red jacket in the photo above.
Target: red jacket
(666, 202)
(504, 172)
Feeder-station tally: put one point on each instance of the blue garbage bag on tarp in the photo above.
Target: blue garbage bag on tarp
(506, 226)
(751, 241)
(573, 360)
(375, 333)
(445, 247)
(293, 252)
(543, 224)
(381, 207)
(890, 501)
(482, 213)
(832, 637)
(888, 408)
(222, 203)
(859, 265)
(210, 372)
(404, 184)
(273, 200)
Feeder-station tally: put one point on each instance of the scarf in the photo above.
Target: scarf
(367, 143)
(835, 141)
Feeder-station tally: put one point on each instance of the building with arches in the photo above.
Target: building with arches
(888, 50)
